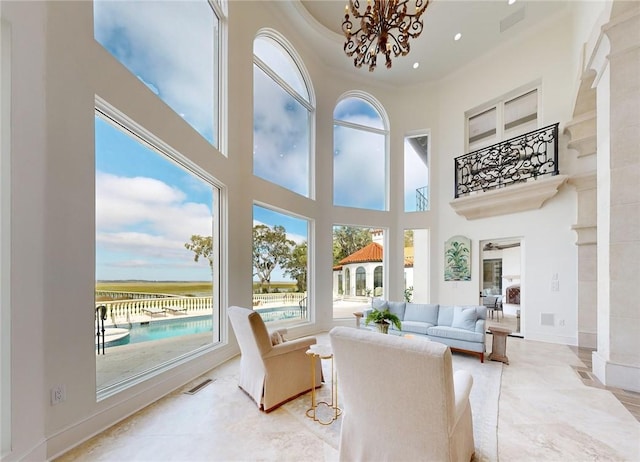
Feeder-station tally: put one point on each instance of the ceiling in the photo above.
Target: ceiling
(479, 21)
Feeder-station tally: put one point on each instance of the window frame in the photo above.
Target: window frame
(309, 105)
(219, 214)
(500, 132)
(385, 132)
(417, 134)
(218, 75)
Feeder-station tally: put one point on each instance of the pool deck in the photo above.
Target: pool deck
(135, 358)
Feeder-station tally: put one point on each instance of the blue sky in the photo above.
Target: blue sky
(147, 207)
(155, 41)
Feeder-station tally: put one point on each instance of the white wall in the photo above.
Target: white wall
(57, 69)
(545, 57)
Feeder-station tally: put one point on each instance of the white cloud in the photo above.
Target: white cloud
(359, 168)
(144, 221)
(169, 46)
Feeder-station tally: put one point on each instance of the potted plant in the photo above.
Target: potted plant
(382, 319)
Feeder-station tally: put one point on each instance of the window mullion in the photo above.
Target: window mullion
(285, 86)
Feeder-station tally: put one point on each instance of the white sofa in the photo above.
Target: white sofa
(462, 328)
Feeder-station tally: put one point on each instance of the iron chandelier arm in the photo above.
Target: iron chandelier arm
(385, 27)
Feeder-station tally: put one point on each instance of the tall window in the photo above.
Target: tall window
(359, 157)
(157, 254)
(280, 265)
(416, 173)
(282, 116)
(173, 48)
(416, 265)
(358, 261)
(501, 119)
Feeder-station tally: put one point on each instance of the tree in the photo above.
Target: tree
(296, 266)
(408, 238)
(348, 239)
(270, 249)
(201, 246)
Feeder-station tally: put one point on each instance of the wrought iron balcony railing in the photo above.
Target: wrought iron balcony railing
(422, 199)
(515, 160)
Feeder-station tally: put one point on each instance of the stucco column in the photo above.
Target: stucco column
(582, 129)
(616, 362)
(586, 241)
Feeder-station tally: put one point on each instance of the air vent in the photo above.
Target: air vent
(547, 319)
(198, 387)
(512, 19)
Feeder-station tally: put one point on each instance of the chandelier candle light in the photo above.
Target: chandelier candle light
(385, 27)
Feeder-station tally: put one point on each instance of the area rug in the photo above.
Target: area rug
(485, 393)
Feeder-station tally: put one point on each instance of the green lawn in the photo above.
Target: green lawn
(200, 288)
(176, 288)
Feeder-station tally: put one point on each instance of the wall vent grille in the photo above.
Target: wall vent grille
(547, 319)
(198, 387)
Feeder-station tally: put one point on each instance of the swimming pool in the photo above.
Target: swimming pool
(176, 327)
(166, 328)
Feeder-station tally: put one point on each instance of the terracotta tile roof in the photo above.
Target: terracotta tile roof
(371, 252)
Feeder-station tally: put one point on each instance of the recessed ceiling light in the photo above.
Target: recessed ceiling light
(416, 65)
(457, 37)
(511, 2)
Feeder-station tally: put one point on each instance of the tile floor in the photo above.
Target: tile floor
(546, 413)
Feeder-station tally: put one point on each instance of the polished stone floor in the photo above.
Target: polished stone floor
(546, 413)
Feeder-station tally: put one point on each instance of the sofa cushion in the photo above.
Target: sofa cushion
(455, 333)
(464, 318)
(445, 315)
(416, 327)
(397, 308)
(379, 304)
(421, 312)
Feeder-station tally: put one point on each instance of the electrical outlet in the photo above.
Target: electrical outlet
(58, 394)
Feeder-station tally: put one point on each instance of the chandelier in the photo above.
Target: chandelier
(385, 27)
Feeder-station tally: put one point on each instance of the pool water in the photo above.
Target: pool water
(156, 330)
(176, 327)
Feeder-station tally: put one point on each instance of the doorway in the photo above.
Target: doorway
(501, 276)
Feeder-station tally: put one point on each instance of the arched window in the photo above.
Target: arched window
(377, 281)
(361, 281)
(347, 282)
(282, 115)
(359, 154)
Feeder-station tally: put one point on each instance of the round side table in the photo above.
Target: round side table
(323, 352)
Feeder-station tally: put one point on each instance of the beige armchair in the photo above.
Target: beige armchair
(401, 399)
(271, 374)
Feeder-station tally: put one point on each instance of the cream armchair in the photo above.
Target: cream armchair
(401, 399)
(271, 374)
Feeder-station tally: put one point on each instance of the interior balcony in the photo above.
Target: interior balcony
(511, 176)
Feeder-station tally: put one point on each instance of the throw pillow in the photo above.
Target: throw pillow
(464, 318)
(276, 338)
(379, 304)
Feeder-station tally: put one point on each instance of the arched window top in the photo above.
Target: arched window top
(359, 111)
(283, 114)
(360, 138)
(273, 50)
